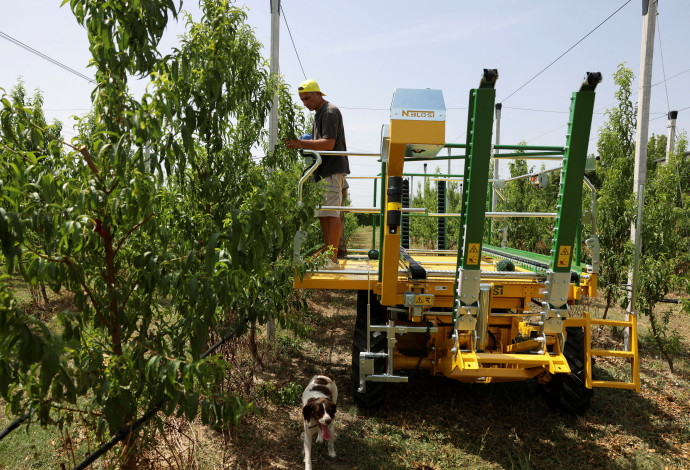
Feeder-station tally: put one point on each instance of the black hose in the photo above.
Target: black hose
(14, 425)
(422, 354)
(123, 433)
(132, 427)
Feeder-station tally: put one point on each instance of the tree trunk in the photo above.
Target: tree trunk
(609, 296)
(253, 348)
(659, 340)
(128, 457)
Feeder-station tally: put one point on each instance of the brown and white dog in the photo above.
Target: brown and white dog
(318, 408)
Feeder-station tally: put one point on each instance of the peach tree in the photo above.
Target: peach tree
(156, 217)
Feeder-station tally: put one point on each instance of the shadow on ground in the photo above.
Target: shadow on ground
(437, 423)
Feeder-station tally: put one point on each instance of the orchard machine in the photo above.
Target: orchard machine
(480, 313)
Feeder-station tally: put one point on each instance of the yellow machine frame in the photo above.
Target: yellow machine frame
(433, 310)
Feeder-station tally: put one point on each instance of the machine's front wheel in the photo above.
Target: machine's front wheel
(568, 392)
(375, 392)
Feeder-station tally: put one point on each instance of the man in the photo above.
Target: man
(328, 134)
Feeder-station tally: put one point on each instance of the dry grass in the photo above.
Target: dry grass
(430, 423)
(434, 423)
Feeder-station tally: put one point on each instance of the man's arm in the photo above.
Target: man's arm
(320, 144)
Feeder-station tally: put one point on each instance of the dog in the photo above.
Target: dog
(318, 409)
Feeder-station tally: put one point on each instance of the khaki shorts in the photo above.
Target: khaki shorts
(334, 194)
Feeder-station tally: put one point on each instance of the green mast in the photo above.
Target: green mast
(479, 131)
(570, 193)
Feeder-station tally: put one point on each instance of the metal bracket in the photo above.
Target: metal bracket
(592, 247)
(468, 285)
(466, 319)
(366, 359)
(553, 323)
(557, 288)
(299, 239)
(385, 141)
(553, 319)
(366, 368)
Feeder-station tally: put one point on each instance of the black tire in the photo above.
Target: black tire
(568, 392)
(376, 391)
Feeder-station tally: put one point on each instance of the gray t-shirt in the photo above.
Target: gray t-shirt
(328, 124)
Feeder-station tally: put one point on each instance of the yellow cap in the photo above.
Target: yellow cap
(308, 86)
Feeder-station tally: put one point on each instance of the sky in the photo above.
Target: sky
(360, 51)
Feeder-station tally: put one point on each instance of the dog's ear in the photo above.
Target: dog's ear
(308, 409)
(331, 408)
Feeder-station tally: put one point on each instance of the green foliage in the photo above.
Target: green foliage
(425, 229)
(158, 219)
(616, 146)
(291, 394)
(665, 245)
(662, 267)
(530, 234)
(350, 222)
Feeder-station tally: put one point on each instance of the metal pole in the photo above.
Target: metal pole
(670, 143)
(497, 163)
(275, 71)
(449, 173)
(273, 117)
(649, 8)
(636, 260)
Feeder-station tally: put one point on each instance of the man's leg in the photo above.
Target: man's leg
(330, 220)
(342, 246)
(331, 228)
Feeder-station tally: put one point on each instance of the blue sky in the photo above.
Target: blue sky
(360, 51)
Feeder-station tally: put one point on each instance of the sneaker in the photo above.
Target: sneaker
(332, 265)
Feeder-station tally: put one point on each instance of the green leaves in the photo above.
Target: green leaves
(156, 260)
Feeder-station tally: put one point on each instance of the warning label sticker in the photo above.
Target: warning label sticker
(473, 253)
(427, 299)
(564, 256)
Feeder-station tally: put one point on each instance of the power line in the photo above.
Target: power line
(459, 137)
(365, 109)
(43, 56)
(669, 78)
(570, 49)
(538, 110)
(663, 115)
(293, 41)
(663, 67)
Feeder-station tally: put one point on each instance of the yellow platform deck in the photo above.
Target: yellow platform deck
(357, 271)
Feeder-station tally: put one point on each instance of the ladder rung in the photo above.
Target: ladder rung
(612, 384)
(611, 353)
(599, 321)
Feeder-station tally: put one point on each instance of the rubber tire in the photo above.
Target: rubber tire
(376, 391)
(567, 392)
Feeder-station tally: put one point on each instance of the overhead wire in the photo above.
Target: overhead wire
(663, 115)
(293, 41)
(663, 68)
(46, 57)
(363, 109)
(672, 77)
(570, 49)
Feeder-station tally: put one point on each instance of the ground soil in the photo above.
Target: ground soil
(436, 423)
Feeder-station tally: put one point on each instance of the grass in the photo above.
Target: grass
(429, 423)
(434, 423)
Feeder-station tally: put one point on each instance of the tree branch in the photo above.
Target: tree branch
(89, 161)
(126, 235)
(75, 410)
(70, 261)
(117, 181)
